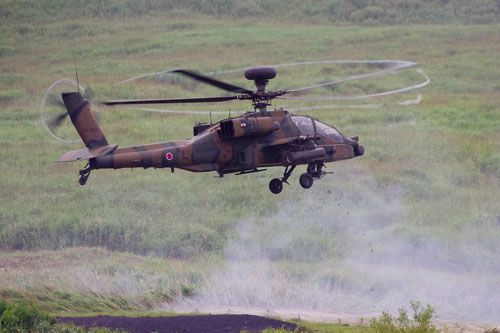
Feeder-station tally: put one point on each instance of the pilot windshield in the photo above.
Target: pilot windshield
(304, 124)
(329, 132)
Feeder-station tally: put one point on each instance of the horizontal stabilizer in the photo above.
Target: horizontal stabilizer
(85, 154)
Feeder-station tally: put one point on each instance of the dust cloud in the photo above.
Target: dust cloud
(348, 249)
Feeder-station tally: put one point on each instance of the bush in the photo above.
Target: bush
(26, 317)
(422, 320)
(23, 317)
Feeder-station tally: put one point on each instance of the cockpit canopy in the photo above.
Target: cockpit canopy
(313, 127)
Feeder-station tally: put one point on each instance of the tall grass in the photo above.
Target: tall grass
(94, 280)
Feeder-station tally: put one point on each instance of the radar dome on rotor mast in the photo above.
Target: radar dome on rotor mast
(261, 76)
(260, 73)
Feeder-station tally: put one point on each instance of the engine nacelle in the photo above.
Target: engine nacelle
(239, 127)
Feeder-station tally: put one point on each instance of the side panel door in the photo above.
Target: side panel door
(246, 156)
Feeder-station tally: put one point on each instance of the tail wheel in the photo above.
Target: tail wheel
(84, 174)
(83, 180)
(306, 180)
(275, 185)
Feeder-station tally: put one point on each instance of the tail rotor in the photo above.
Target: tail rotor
(53, 112)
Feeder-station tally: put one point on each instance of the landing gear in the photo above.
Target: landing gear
(314, 170)
(306, 180)
(276, 184)
(84, 175)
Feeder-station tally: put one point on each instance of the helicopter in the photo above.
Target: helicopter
(241, 145)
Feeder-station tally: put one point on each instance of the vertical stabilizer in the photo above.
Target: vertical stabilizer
(83, 120)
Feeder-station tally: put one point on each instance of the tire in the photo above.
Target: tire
(83, 180)
(275, 185)
(306, 180)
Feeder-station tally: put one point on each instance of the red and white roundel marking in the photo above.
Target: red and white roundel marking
(170, 156)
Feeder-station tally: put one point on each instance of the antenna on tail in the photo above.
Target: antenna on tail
(76, 72)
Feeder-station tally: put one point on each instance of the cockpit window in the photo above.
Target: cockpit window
(305, 124)
(329, 132)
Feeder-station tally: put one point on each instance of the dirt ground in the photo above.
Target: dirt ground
(195, 323)
(317, 316)
(234, 322)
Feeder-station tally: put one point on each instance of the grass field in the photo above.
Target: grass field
(428, 184)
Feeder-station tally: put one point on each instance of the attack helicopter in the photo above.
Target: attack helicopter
(241, 145)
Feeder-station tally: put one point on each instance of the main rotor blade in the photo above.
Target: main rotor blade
(359, 106)
(352, 98)
(172, 100)
(399, 65)
(214, 82)
(185, 111)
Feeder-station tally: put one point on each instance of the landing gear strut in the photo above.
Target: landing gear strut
(314, 171)
(276, 184)
(84, 175)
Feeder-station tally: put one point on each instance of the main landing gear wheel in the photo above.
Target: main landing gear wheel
(275, 185)
(306, 180)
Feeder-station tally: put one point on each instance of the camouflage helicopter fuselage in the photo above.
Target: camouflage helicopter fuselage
(241, 144)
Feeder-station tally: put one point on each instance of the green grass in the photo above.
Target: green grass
(306, 327)
(442, 154)
(368, 12)
(43, 208)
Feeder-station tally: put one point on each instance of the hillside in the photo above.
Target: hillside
(372, 12)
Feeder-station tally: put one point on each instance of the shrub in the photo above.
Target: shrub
(422, 320)
(23, 317)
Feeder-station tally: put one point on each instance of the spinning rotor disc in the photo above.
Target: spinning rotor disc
(59, 126)
(54, 115)
(261, 76)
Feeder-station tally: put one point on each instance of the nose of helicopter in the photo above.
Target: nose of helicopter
(359, 149)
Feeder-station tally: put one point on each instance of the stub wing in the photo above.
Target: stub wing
(85, 154)
(279, 142)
